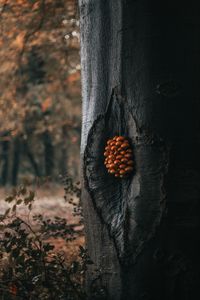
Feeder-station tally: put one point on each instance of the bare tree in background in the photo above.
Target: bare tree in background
(140, 78)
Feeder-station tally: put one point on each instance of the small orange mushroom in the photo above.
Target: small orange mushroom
(112, 148)
(122, 166)
(124, 160)
(128, 155)
(122, 172)
(122, 152)
(118, 144)
(120, 138)
(129, 151)
(124, 145)
(129, 169)
(112, 166)
(119, 156)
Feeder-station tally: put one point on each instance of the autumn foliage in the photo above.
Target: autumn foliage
(39, 87)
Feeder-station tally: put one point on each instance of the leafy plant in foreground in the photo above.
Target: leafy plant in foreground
(30, 267)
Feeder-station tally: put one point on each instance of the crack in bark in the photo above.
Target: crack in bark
(120, 203)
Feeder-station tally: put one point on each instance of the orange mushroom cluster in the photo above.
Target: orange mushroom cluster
(118, 157)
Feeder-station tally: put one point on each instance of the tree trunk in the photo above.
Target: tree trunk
(5, 162)
(64, 150)
(140, 79)
(16, 160)
(48, 153)
(31, 158)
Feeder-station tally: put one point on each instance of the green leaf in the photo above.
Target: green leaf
(9, 199)
(19, 201)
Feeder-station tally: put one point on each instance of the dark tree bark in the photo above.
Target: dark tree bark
(16, 160)
(48, 153)
(64, 150)
(31, 158)
(5, 162)
(140, 78)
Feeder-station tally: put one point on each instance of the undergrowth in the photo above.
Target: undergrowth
(30, 268)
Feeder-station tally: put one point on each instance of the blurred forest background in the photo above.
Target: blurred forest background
(40, 110)
(41, 226)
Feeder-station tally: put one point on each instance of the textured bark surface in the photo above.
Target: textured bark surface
(140, 72)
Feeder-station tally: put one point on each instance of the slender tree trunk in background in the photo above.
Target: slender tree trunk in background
(31, 159)
(16, 160)
(5, 160)
(48, 153)
(140, 78)
(64, 151)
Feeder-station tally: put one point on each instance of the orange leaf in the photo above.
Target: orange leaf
(46, 104)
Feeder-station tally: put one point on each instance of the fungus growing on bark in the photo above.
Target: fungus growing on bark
(118, 157)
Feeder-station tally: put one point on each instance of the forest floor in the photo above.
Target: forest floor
(50, 203)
